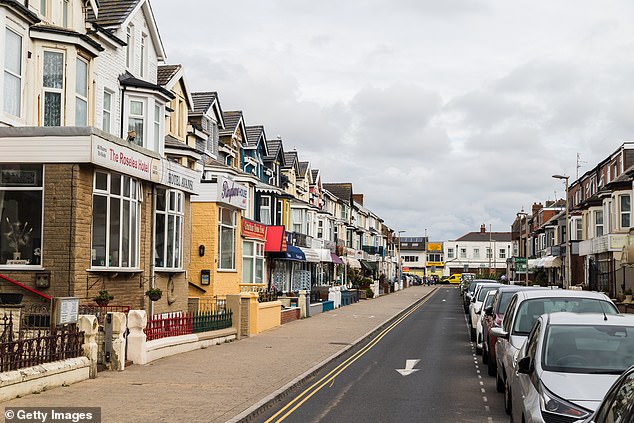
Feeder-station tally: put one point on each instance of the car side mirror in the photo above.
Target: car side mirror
(500, 333)
(489, 311)
(525, 365)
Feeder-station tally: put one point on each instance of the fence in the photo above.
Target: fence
(180, 323)
(17, 350)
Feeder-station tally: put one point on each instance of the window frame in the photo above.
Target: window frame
(54, 90)
(256, 257)
(265, 208)
(82, 97)
(10, 73)
(625, 213)
(597, 232)
(129, 33)
(131, 194)
(176, 210)
(106, 112)
(232, 227)
(140, 138)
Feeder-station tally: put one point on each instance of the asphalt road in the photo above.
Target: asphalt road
(440, 378)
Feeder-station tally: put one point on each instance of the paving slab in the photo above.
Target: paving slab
(227, 382)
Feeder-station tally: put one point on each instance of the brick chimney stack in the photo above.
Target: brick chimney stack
(358, 198)
(483, 228)
(536, 208)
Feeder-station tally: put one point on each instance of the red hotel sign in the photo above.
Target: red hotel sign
(254, 230)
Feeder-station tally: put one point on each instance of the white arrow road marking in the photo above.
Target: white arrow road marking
(409, 367)
(444, 300)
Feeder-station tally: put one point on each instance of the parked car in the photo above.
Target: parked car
(618, 404)
(568, 363)
(465, 280)
(492, 317)
(476, 304)
(525, 307)
(468, 293)
(455, 278)
(488, 302)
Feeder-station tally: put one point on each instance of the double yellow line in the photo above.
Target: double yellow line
(289, 408)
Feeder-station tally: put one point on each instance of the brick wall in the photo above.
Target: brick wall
(290, 314)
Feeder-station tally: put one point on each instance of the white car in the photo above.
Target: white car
(618, 403)
(568, 363)
(488, 302)
(476, 304)
(525, 307)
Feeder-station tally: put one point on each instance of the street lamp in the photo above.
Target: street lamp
(567, 271)
(525, 215)
(400, 264)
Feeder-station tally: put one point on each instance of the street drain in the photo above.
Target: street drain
(340, 343)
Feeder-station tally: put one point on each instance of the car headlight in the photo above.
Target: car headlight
(552, 405)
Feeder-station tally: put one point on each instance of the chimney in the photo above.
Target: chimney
(483, 228)
(536, 208)
(358, 198)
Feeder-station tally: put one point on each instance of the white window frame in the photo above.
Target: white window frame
(66, 14)
(489, 252)
(502, 253)
(265, 208)
(11, 74)
(140, 138)
(251, 261)
(106, 121)
(625, 214)
(598, 227)
(230, 226)
(169, 218)
(128, 191)
(81, 98)
(130, 46)
(476, 253)
(463, 253)
(158, 113)
(143, 53)
(54, 90)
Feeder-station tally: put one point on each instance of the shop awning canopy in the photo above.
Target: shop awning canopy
(336, 259)
(369, 265)
(291, 253)
(547, 262)
(312, 254)
(351, 262)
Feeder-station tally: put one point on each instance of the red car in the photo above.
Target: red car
(493, 318)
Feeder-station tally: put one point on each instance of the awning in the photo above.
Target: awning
(275, 239)
(552, 261)
(292, 253)
(336, 259)
(351, 262)
(312, 254)
(369, 265)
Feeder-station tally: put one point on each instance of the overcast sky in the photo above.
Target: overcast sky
(444, 114)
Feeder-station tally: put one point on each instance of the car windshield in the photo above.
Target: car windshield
(483, 292)
(588, 349)
(528, 311)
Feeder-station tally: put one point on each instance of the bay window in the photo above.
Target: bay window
(226, 239)
(168, 235)
(136, 118)
(252, 262)
(598, 223)
(53, 85)
(157, 128)
(21, 214)
(12, 73)
(115, 221)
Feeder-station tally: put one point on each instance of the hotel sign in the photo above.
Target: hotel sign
(176, 176)
(253, 230)
(232, 193)
(125, 160)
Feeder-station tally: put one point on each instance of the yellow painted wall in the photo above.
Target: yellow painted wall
(269, 315)
(205, 232)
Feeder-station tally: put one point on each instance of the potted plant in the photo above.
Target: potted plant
(18, 236)
(154, 294)
(103, 298)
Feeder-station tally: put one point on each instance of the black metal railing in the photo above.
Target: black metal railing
(268, 295)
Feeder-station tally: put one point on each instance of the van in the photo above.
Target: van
(455, 278)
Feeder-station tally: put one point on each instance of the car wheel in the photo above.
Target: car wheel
(508, 404)
(492, 368)
(499, 383)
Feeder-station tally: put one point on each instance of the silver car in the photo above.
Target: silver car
(568, 363)
(525, 307)
(475, 308)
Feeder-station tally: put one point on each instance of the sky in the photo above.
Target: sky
(446, 114)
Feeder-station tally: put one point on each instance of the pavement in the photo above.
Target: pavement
(229, 382)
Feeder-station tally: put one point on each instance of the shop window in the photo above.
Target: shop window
(169, 229)
(252, 262)
(12, 73)
(81, 93)
(53, 86)
(115, 221)
(226, 239)
(21, 214)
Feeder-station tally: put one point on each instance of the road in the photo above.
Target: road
(422, 368)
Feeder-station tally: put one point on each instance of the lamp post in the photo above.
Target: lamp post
(568, 255)
(400, 264)
(525, 216)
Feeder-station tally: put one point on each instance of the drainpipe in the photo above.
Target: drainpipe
(70, 227)
(152, 253)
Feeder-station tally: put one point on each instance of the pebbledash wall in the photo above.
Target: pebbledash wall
(67, 205)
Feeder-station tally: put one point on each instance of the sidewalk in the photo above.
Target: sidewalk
(227, 381)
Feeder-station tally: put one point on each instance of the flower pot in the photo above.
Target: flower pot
(102, 302)
(10, 298)
(17, 255)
